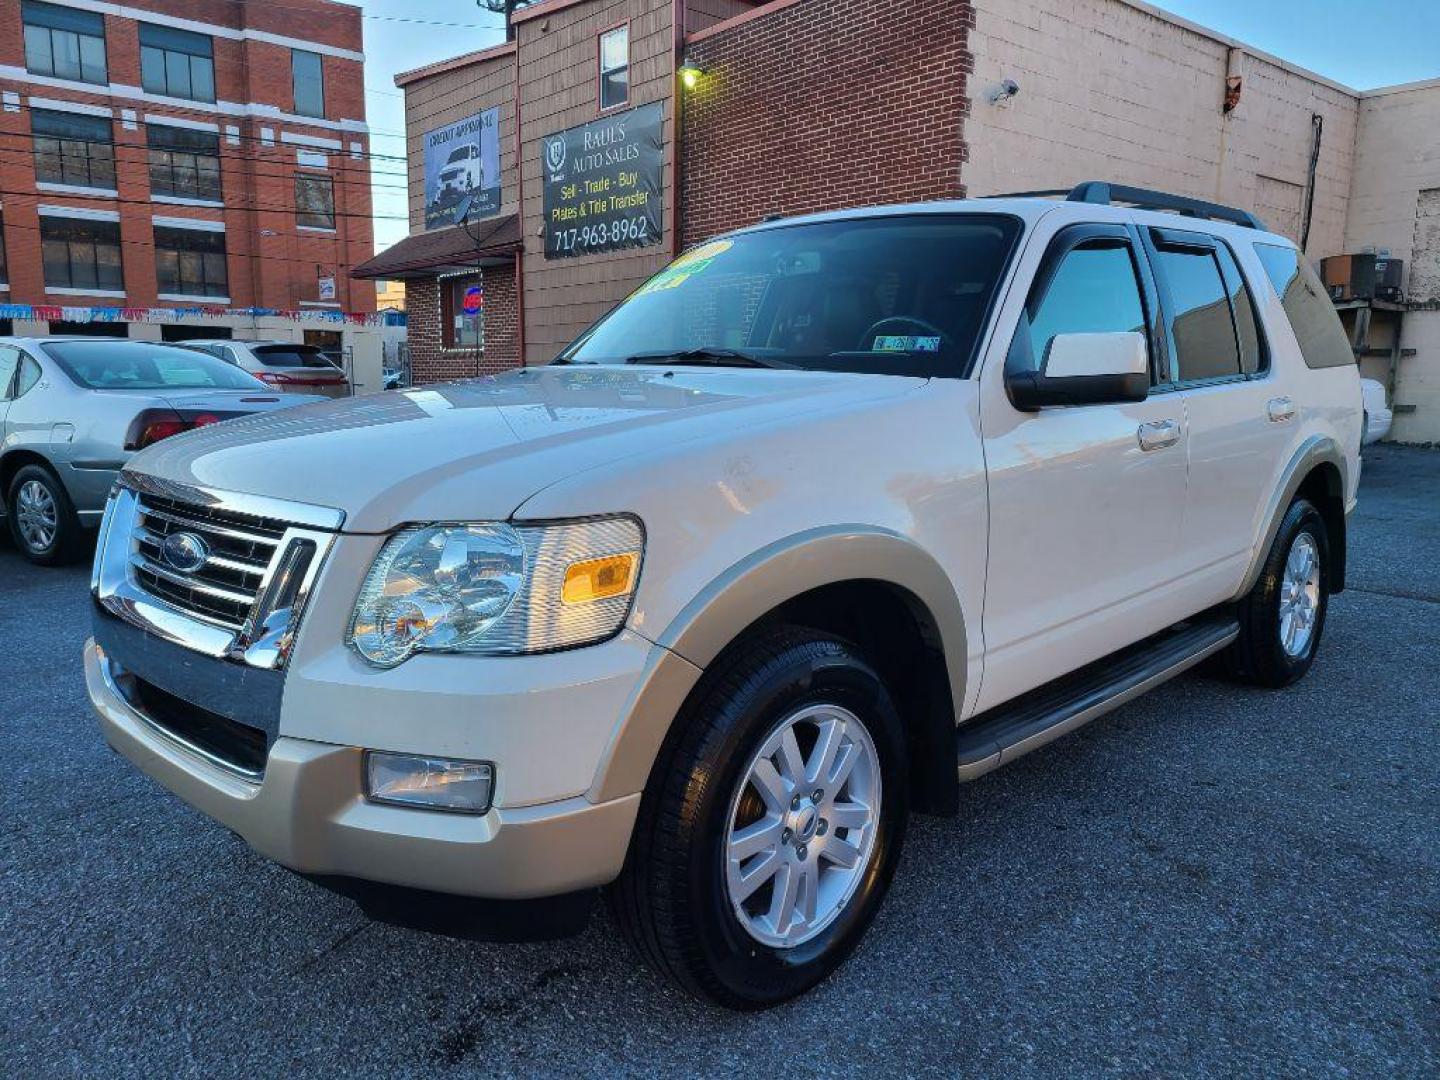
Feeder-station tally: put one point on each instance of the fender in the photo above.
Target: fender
(1316, 450)
(744, 594)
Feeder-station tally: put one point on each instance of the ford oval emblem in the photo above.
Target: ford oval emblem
(184, 551)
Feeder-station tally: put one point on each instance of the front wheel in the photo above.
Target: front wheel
(771, 831)
(1283, 616)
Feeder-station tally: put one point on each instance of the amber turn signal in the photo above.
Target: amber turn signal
(599, 579)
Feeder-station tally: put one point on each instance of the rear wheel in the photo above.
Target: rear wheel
(1283, 616)
(43, 522)
(770, 833)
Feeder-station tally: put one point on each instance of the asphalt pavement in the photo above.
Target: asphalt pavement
(1212, 881)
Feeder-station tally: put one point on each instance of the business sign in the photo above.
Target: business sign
(603, 182)
(462, 170)
(473, 302)
(326, 286)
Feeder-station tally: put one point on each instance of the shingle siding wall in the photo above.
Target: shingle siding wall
(452, 96)
(826, 104)
(558, 69)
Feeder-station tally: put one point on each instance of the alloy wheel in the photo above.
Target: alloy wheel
(1300, 596)
(802, 825)
(37, 515)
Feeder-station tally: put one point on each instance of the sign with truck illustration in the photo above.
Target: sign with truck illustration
(462, 170)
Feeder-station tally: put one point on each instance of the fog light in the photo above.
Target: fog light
(464, 787)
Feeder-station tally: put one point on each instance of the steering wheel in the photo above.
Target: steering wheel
(929, 329)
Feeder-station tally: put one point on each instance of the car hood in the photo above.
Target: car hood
(477, 450)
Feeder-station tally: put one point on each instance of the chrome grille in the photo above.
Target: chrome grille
(223, 591)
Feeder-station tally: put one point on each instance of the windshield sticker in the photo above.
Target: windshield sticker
(695, 261)
(900, 343)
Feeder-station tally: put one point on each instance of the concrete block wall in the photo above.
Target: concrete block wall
(1395, 206)
(1116, 90)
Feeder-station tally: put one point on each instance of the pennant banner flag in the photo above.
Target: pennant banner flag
(50, 313)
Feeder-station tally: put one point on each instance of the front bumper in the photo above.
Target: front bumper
(308, 812)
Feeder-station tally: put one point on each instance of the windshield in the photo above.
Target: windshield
(902, 295)
(136, 365)
(291, 356)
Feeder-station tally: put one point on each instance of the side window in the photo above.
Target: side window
(1200, 314)
(1247, 328)
(1312, 316)
(29, 376)
(1094, 291)
(9, 361)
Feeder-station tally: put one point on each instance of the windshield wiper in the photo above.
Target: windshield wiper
(708, 356)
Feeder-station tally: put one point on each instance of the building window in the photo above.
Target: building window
(81, 253)
(615, 67)
(74, 149)
(314, 201)
(463, 313)
(307, 76)
(190, 262)
(177, 63)
(64, 43)
(184, 163)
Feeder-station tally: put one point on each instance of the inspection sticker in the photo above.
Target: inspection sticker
(901, 343)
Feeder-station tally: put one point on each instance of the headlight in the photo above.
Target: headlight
(497, 589)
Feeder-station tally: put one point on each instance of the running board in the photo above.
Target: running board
(1006, 732)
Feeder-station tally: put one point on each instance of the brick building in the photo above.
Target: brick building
(173, 169)
(800, 105)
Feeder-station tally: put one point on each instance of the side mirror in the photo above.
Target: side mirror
(1084, 369)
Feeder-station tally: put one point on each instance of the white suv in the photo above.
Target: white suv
(832, 515)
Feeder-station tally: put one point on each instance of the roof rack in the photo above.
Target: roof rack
(1103, 193)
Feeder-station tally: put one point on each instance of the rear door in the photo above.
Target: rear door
(9, 365)
(1086, 501)
(1241, 420)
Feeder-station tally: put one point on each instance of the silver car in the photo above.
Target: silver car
(284, 365)
(73, 410)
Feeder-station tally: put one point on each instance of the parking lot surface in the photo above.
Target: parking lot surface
(1210, 881)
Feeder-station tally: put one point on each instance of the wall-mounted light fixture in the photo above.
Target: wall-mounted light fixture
(690, 72)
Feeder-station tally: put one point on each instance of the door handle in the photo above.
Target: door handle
(1158, 434)
(1280, 409)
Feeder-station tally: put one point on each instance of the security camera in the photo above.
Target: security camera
(999, 95)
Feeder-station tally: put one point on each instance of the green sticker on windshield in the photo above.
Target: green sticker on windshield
(903, 343)
(685, 267)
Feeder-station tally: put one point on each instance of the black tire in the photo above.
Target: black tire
(65, 545)
(671, 899)
(1258, 655)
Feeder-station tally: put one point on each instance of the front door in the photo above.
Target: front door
(1086, 501)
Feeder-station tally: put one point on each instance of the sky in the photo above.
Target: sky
(1361, 43)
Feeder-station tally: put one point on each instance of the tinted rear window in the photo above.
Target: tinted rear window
(291, 356)
(134, 365)
(1312, 316)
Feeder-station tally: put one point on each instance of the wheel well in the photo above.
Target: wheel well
(12, 463)
(896, 632)
(1324, 488)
